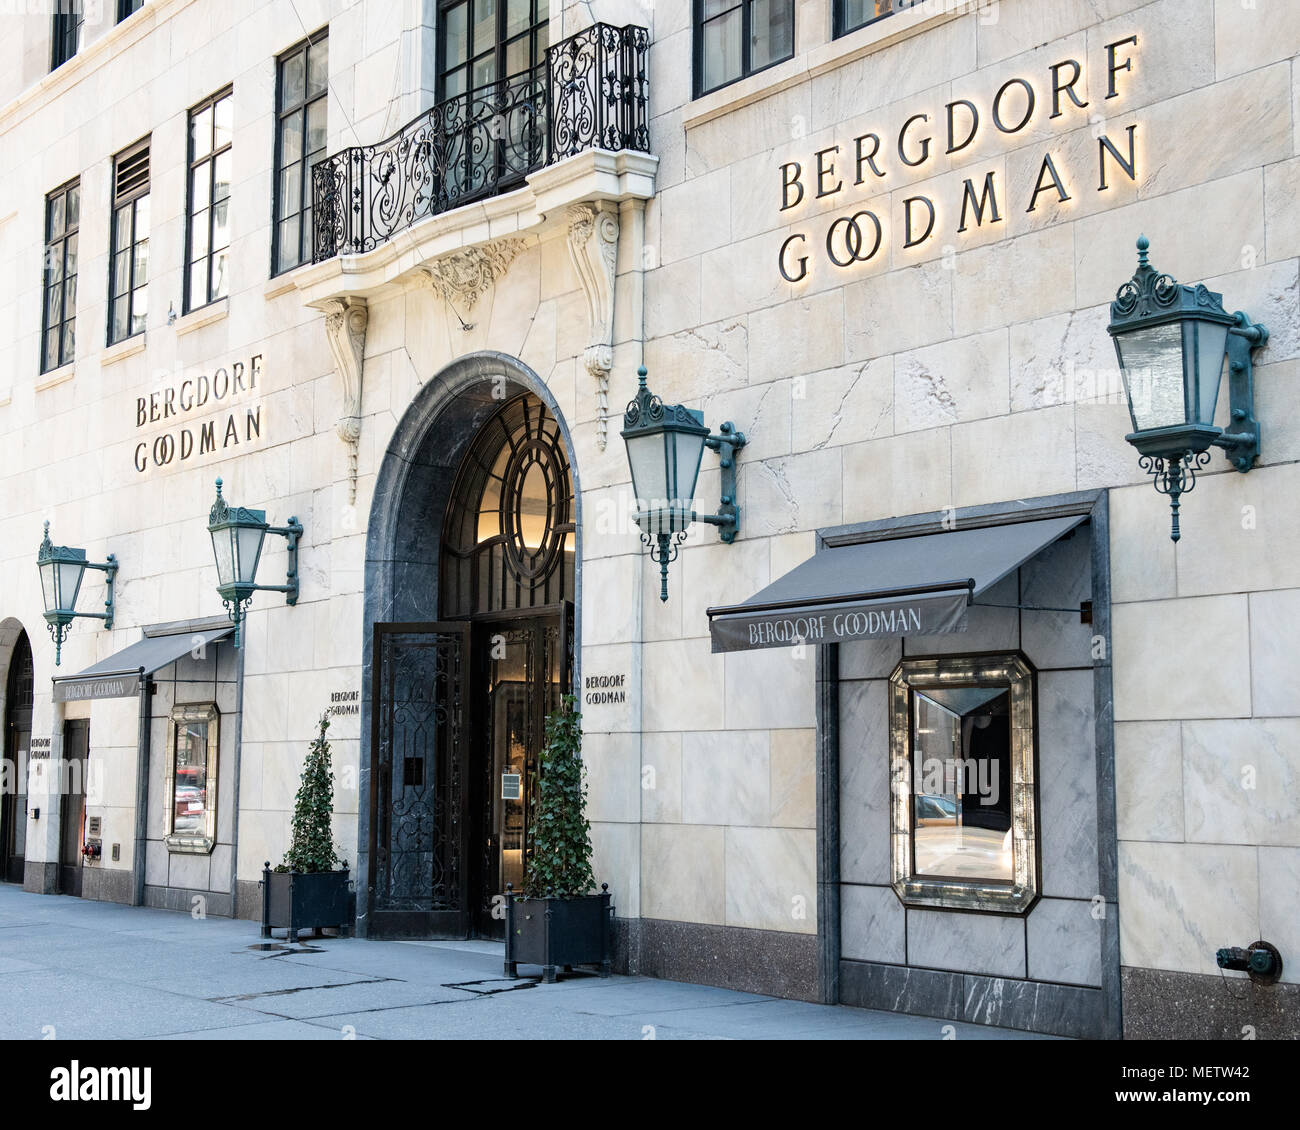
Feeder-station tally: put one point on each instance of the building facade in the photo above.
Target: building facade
(945, 723)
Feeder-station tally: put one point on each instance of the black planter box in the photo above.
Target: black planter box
(296, 901)
(552, 932)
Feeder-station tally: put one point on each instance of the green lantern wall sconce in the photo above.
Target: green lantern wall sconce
(665, 444)
(62, 569)
(1171, 341)
(237, 536)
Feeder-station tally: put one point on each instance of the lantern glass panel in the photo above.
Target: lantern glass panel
(1151, 360)
(49, 586)
(1204, 347)
(645, 455)
(69, 583)
(685, 450)
(224, 552)
(249, 548)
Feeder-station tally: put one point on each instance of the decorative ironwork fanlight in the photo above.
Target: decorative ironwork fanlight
(62, 569)
(1171, 340)
(237, 536)
(665, 444)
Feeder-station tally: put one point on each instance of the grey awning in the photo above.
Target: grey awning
(119, 675)
(906, 586)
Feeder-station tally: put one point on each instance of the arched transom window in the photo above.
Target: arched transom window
(508, 539)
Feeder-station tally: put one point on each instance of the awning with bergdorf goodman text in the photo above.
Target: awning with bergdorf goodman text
(903, 586)
(119, 675)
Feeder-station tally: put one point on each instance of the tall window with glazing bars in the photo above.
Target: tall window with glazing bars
(66, 26)
(207, 245)
(301, 89)
(735, 38)
(59, 318)
(128, 272)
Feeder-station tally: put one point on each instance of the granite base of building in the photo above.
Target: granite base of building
(1031, 1006)
(730, 957)
(248, 899)
(201, 904)
(1163, 1005)
(41, 878)
(107, 884)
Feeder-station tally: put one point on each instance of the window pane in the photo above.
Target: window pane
(199, 188)
(53, 263)
(122, 272)
(293, 80)
(721, 50)
(484, 71)
(453, 84)
(291, 190)
(772, 31)
(485, 24)
(72, 210)
(51, 353)
(717, 7)
(318, 67)
(291, 140)
(518, 15)
(224, 122)
(69, 341)
(518, 57)
(962, 783)
(120, 323)
(456, 44)
(288, 244)
(220, 279)
(201, 134)
(316, 126)
(122, 228)
(221, 225)
(199, 235)
(142, 212)
(141, 263)
(221, 175)
(198, 282)
(70, 298)
(56, 216)
(139, 310)
(54, 305)
(70, 255)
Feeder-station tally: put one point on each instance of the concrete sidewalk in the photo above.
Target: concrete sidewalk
(71, 969)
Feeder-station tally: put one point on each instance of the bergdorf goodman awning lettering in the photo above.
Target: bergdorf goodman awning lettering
(858, 235)
(186, 400)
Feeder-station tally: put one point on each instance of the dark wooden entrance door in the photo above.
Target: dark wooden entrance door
(418, 790)
(70, 780)
(523, 667)
(17, 743)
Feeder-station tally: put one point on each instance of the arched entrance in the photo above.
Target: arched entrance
(470, 607)
(19, 694)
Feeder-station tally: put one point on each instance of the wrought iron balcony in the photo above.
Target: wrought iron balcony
(590, 93)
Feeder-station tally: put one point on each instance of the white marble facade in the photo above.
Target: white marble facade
(971, 368)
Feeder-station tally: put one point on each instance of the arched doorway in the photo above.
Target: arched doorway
(20, 686)
(471, 608)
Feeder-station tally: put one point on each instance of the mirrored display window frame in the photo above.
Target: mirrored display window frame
(1009, 672)
(182, 716)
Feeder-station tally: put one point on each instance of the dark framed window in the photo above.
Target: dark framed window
(127, 7)
(59, 318)
(735, 38)
(65, 30)
(483, 41)
(302, 81)
(853, 14)
(207, 217)
(128, 264)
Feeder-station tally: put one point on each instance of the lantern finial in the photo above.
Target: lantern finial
(218, 486)
(641, 375)
(1144, 245)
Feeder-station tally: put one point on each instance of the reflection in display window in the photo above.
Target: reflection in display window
(191, 786)
(962, 755)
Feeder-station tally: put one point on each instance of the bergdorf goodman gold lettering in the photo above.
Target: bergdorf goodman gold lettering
(857, 237)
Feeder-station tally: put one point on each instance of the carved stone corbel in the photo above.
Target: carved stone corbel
(465, 276)
(593, 247)
(345, 328)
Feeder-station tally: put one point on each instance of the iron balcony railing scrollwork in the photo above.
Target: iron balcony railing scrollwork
(589, 93)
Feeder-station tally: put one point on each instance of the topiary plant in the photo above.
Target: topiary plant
(559, 857)
(312, 847)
